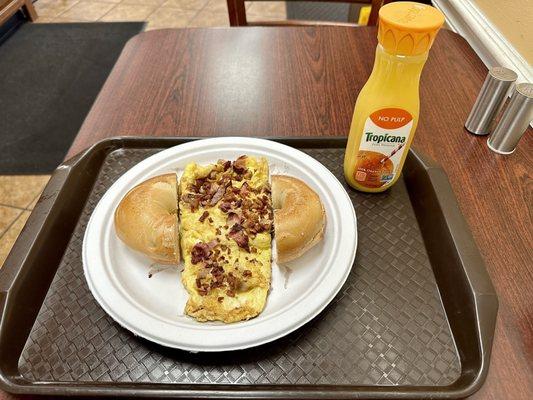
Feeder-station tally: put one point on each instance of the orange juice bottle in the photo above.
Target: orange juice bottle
(386, 111)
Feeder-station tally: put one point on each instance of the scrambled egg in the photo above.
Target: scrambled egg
(225, 233)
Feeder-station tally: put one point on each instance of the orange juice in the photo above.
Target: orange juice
(387, 109)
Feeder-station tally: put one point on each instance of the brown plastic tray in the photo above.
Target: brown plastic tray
(415, 318)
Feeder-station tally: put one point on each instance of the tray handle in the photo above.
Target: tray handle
(15, 274)
(439, 194)
(35, 225)
(471, 259)
(21, 249)
(42, 242)
(485, 298)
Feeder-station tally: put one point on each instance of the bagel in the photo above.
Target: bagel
(146, 219)
(299, 217)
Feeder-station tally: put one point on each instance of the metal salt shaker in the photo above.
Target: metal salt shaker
(490, 100)
(515, 120)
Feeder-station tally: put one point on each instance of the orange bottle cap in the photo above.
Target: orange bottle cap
(407, 28)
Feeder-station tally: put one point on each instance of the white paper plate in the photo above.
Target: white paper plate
(153, 307)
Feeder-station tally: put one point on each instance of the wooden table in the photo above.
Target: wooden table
(304, 81)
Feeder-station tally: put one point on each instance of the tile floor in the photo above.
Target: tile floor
(158, 13)
(18, 194)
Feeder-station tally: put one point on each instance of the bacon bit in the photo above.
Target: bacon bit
(199, 252)
(220, 299)
(212, 244)
(233, 218)
(225, 207)
(204, 188)
(217, 195)
(211, 188)
(230, 293)
(190, 199)
(203, 216)
(247, 273)
(239, 165)
(216, 284)
(239, 236)
(266, 226)
(230, 192)
(217, 270)
(232, 281)
(245, 189)
(252, 230)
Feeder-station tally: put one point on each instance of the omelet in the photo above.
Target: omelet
(226, 233)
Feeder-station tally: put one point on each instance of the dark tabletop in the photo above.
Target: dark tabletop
(304, 82)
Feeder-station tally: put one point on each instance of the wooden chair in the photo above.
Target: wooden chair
(237, 14)
(10, 7)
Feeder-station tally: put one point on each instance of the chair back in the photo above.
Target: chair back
(237, 14)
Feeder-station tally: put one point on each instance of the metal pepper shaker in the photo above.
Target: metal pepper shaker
(490, 100)
(515, 120)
